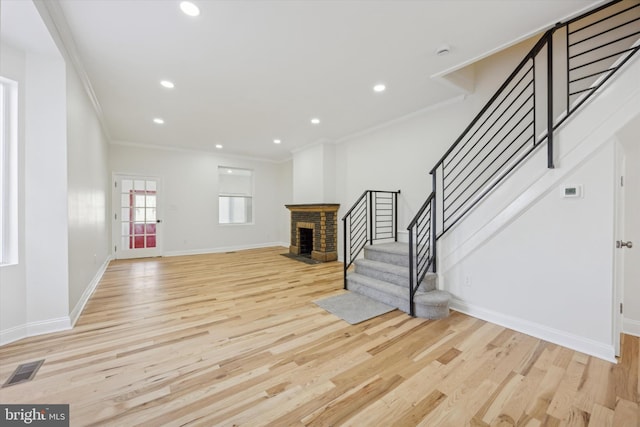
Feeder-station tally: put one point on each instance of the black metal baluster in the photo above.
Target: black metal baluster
(550, 164)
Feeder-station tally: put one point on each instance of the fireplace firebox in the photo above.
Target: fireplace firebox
(306, 241)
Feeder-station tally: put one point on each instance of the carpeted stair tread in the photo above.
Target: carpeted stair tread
(396, 274)
(380, 285)
(377, 265)
(432, 304)
(383, 274)
(393, 247)
(393, 253)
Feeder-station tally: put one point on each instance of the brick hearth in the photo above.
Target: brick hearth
(322, 219)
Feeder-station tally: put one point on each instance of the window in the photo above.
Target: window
(235, 199)
(8, 171)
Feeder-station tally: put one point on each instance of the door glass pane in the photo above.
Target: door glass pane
(138, 214)
(127, 185)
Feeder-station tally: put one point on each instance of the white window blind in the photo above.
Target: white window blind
(235, 198)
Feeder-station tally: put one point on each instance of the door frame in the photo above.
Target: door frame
(618, 254)
(115, 206)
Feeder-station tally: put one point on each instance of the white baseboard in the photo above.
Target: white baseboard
(34, 328)
(77, 310)
(13, 334)
(631, 327)
(224, 249)
(48, 326)
(565, 339)
(54, 325)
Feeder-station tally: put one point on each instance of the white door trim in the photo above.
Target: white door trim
(117, 251)
(618, 254)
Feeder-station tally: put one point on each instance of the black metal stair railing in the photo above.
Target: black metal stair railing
(597, 47)
(373, 217)
(560, 73)
(422, 247)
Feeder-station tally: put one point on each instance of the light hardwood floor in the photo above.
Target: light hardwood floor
(235, 339)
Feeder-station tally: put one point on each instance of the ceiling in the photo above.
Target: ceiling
(249, 72)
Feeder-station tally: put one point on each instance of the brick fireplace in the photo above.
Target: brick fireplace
(314, 231)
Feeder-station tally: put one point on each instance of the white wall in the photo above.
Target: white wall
(35, 291)
(549, 271)
(13, 290)
(189, 198)
(89, 186)
(399, 158)
(46, 216)
(400, 154)
(308, 175)
(63, 175)
(527, 259)
(314, 174)
(329, 173)
(285, 193)
(567, 283)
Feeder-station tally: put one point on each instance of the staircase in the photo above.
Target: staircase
(383, 274)
(389, 268)
(578, 56)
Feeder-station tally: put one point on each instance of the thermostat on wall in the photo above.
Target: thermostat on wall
(572, 191)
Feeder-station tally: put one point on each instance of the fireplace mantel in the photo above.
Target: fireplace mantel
(322, 219)
(314, 207)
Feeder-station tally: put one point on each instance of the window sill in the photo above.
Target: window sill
(8, 264)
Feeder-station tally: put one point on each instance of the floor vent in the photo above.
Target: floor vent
(23, 373)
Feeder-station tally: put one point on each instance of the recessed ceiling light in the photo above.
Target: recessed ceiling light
(167, 83)
(189, 8)
(379, 88)
(276, 141)
(218, 146)
(315, 121)
(158, 121)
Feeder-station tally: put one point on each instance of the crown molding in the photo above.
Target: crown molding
(378, 127)
(426, 110)
(197, 151)
(56, 23)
